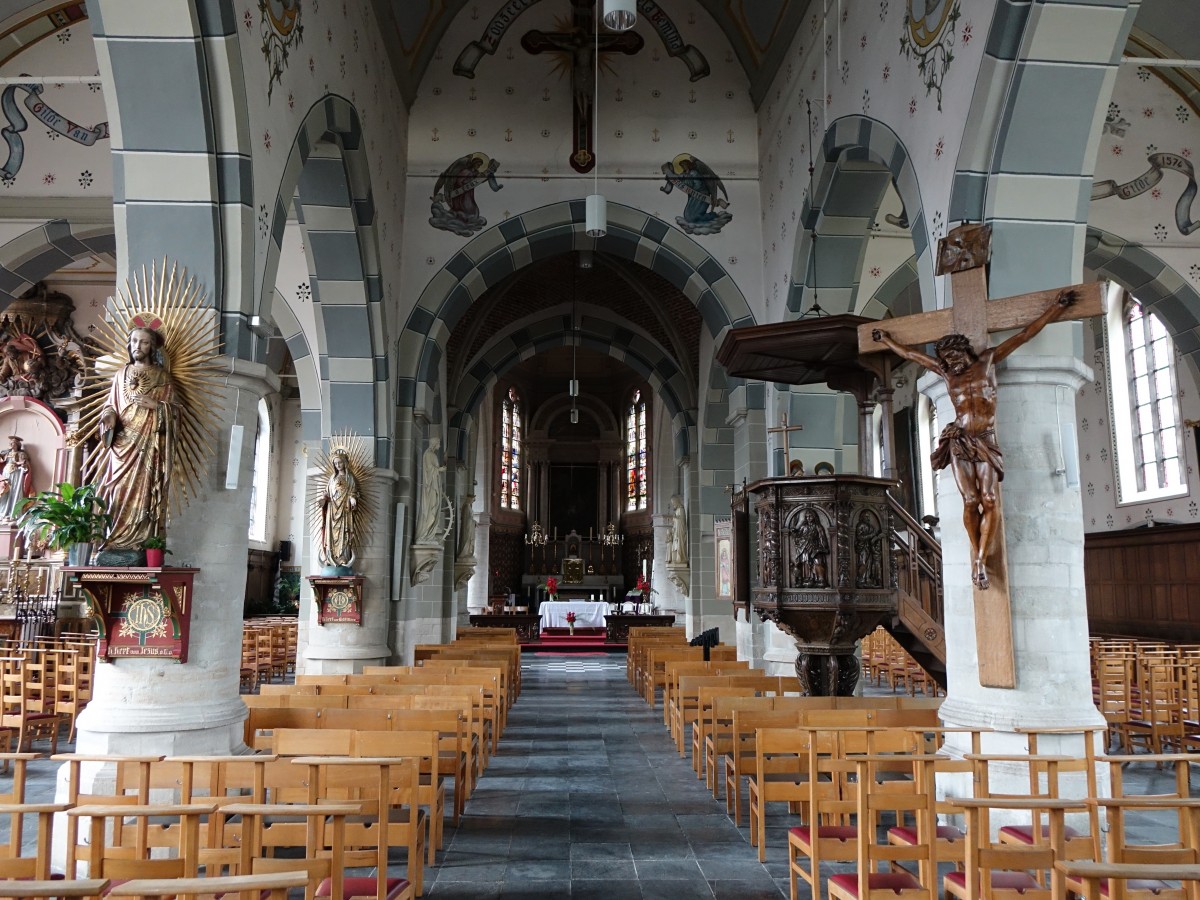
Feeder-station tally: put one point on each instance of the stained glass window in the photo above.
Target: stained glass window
(510, 450)
(636, 454)
(1155, 417)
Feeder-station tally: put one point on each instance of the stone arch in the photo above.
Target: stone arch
(1157, 286)
(859, 157)
(46, 248)
(1031, 184)
(327, 175)
(551, 328)
(549, 230)
(899, 294)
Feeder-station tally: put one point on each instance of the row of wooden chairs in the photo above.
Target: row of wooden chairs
(1148, 693)
(44, 686)
(268, 651)
(863, 783)
(227, 818)
(885, 661)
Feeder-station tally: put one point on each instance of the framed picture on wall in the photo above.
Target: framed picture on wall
(723, 536)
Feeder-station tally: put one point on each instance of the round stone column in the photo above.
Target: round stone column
(342, 648)
(151, 706)
(1043, 521)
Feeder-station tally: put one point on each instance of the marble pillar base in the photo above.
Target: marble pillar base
(334, 660)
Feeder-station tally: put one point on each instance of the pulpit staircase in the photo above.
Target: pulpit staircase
(918, 624)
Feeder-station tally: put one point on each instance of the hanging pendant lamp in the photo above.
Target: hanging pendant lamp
(620, 15)
(596, 207)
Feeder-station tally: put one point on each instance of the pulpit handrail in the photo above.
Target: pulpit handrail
(922, 555)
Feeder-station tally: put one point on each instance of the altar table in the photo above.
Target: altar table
(588, 613)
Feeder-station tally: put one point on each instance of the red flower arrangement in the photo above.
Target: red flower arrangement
(643, 586)
(571, 618)
(552, 587)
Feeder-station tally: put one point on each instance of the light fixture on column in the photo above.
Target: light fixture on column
(596, 208)
(620, 15)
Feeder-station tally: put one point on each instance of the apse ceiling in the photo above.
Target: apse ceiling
(759, 31)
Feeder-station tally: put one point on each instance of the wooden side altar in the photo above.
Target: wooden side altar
(141, 611)
(825, 575)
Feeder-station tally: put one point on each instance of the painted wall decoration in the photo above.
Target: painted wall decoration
(705, 211)
(453, 207)
(929, 32)
(650, 12)
(1160, 164)
(281, 31)
(574, 45)
(45, 114)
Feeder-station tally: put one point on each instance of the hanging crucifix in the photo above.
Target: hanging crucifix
(968, 445)
(576, 48)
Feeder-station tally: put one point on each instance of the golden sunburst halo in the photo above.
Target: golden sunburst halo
(360, 462)
(170, 302)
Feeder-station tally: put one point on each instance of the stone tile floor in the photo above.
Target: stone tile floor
(587, 797)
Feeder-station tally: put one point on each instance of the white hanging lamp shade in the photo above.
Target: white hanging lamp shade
(596, 215)
(620, 15)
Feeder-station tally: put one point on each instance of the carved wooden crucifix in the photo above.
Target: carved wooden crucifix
(577, 49)
(786, 430)
(968, 445)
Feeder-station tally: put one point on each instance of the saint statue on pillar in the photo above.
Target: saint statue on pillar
(153, 403)
(16, 482)
(340, 503)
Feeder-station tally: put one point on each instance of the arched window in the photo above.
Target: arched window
(510, 450)
(1145, 409)
(636, 454)
(261, 476)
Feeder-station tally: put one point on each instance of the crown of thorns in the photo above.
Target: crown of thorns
(950, 342)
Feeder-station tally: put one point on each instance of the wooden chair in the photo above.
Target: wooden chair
(1108, 880)
(320, 833)
(13, 861)
(1119, 850)
(996, 870)
(780, 774)
(26, 705)
(388, 790)
(914, 799)
(829, 832)
(117, 849)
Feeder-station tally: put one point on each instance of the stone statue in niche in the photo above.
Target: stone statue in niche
(432, 497)
(15, 481)
(677, 553)
(466, 528)
(810, 541)
(868, 551)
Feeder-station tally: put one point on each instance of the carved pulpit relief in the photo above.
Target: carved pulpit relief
(868, 551)
(810, 550)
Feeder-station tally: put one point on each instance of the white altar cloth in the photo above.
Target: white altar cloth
(588, 613)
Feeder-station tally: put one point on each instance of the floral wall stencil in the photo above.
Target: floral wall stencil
(705, 211)
(929, 27)
(281, 32)
(453, 206)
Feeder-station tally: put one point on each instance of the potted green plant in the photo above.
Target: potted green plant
(67, 518)
(156, 548)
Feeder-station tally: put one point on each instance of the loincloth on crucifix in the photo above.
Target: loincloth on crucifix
(955, 443)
